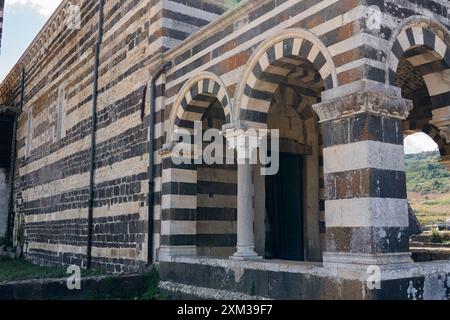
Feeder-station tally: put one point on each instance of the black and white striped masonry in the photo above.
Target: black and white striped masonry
(365, 182)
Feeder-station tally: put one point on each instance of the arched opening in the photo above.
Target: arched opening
(420, 66)
(423, 74)
(199, 209)
(294, 197)
(216, 197)
(428, 183)
(285, 82)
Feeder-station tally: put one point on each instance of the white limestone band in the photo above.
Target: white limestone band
(364, 155)
(367, 212)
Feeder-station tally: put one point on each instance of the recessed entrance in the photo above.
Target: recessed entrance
(284, 203)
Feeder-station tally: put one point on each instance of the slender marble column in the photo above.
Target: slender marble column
(241, 140)
(246, 214)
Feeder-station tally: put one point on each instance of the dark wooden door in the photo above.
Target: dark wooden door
(285, 209)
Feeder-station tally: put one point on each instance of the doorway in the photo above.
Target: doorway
(284, 203)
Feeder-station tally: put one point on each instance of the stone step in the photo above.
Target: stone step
(180, 291)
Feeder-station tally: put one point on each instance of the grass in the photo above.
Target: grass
(16, 270)
(153, 292)
(428, 184)
(432, 203)
(431, 209)
(430, 218)
(436, 236)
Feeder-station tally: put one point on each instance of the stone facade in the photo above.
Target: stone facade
(342, 79)
(2, 6)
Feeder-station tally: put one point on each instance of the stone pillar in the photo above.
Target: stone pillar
(441, 119)
(178, 208)
(243, 141)
(365, 180)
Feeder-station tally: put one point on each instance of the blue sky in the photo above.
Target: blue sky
(24, 18)
(22, 21)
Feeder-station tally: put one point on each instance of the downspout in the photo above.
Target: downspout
(93, 133)
(10, 220)
(151, 164)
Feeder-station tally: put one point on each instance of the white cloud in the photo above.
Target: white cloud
(418, 143)
(43, 7)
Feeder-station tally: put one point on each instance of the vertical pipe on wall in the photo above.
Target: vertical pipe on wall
(93, 133)
(10, 219)
(151, 165)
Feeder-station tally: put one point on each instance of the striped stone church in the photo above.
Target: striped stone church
(96, 103)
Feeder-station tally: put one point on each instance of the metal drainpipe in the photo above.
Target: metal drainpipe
(151, 164)
(93, 133)
(10, 220)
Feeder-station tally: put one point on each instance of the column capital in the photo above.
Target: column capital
(166, 150)
(446, 162)
(445, 133)
(243, 138)
(235, 129)
(441, 119)
(376, 102)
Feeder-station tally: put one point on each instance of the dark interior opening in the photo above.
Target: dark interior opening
(284, 203)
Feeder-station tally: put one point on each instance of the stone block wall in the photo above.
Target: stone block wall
(53, 153)
(2, 6)
(52, 179)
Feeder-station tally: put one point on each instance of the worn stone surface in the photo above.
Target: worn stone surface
(313, 284)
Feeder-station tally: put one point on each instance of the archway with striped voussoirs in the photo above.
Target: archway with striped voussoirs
(194, 98)
(199, 200)
(283, 79)
(419, 63)
(281, 59)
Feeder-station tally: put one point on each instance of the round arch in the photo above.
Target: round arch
(204, 87)
(416, 32)
(420, 48)
(290, 43)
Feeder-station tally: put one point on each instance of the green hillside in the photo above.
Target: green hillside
(428, 188)
(426, 175)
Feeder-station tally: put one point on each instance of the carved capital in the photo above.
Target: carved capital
(7, 110)
(166, 150)
(446, 162)
(445, 133)
(350, 105)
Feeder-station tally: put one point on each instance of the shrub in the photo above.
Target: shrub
(436, 237)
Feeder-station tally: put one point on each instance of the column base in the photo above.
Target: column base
(344, 259)
(246, 253)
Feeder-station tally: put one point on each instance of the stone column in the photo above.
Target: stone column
(365, 181)
(441, 119)
(239, 138)
(246, 215)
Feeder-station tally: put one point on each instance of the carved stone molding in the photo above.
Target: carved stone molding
(371, 102)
